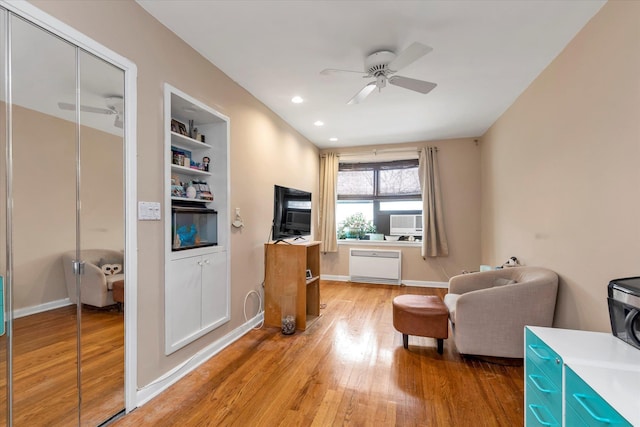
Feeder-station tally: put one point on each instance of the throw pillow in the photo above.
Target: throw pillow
(111, 266)
(111, 269)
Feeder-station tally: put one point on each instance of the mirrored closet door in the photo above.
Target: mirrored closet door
(63, 250)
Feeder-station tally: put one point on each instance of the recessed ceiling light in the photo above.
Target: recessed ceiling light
(318, 123)
(334, 139)
(297, 100)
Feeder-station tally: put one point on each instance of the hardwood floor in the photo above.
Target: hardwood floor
(45, 389)
(348, 368)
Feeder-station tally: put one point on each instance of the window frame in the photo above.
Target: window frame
(375, 198)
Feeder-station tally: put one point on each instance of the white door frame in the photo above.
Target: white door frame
(55, 26)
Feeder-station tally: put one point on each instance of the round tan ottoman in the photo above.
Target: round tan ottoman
(421, 315)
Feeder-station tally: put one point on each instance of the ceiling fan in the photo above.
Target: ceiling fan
(114, 106)
(383, 65)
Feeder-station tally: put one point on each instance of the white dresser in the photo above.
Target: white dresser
(580, 378)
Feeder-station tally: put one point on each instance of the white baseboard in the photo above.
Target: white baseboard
(156, 387)
(336, 278)
(425, 284)
(27, 311)
(418, 283)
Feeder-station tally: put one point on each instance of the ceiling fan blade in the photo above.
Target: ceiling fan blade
(329, 71)
(414, 52)
(412, 84)
(89, 109)
(66, 106)
(360, 96)
(85, 108)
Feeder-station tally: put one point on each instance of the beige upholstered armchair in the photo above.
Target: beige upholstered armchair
(96, 287)
(488, 310)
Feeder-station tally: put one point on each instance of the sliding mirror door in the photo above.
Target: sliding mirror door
(64, 249)
(45, 370)
(101, 238)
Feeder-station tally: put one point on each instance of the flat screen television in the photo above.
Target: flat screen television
(291, 213)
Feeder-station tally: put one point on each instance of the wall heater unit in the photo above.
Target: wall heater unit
(375, 266)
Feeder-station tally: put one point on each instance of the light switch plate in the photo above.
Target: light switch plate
(149, 211)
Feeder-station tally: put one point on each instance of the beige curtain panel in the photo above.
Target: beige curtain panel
(434, 239)
(328, 198)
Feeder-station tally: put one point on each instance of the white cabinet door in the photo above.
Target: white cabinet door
(215, 292)
(182, 297)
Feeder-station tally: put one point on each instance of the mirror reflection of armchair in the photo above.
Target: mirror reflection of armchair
(95, 286)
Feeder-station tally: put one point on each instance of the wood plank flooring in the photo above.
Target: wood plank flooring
(45, 367)
(348, 368)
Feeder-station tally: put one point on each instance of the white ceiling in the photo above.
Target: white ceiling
(485, 54)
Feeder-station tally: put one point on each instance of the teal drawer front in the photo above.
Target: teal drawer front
(550, 394)
(537, 413)
(588, 405)
(544, 357)
(572, 418)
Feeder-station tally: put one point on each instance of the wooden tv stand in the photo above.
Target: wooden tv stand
(286, 268)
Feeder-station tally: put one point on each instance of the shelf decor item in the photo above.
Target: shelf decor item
(178, 191)
(179, 127)
(191, 192)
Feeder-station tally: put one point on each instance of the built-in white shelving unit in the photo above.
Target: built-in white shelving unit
(197, 295)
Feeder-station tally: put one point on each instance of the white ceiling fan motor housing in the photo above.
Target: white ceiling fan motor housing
(377, 63)
(114, 103)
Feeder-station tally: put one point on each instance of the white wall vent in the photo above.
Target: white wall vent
(375, 266)
(405, 225)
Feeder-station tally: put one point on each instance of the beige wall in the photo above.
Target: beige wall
(459, 161)
(560, 168)
(264, 151)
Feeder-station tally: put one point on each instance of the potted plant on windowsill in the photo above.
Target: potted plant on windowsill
(355, 227)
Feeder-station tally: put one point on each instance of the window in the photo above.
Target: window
(377, 190)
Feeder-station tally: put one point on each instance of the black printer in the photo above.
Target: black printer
(624, 309)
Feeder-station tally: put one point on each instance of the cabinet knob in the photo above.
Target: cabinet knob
(206, 261)
(557, 361)
(200, 263)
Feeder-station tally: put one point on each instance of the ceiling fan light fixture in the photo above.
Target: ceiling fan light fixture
(297, 99)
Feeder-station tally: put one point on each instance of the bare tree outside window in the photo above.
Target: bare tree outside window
(398, 182)
(355, 183)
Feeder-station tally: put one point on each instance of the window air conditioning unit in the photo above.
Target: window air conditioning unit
(405, 225)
